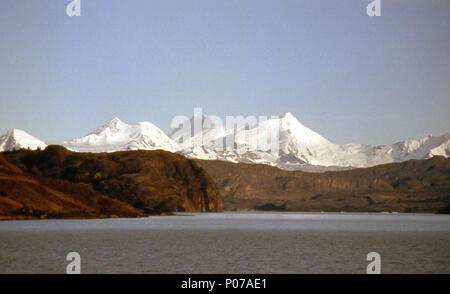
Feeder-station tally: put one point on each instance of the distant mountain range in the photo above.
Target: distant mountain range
(117, 135)
(300, 148)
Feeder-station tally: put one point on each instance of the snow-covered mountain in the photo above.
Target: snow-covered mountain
(117, 135)
(198, 137)
(422, 148)
(280, 141)
(258, 143)
(299, 147)
(16, 139)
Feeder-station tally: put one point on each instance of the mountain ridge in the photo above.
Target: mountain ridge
(410, 186)
(299, 148)
(118, 136)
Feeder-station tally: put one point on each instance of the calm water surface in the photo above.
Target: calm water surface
(230, 242)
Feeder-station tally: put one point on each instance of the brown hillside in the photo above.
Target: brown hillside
(152, 181)
(411, 186)
(26, 196)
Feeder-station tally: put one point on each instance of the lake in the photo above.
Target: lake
(230, 242)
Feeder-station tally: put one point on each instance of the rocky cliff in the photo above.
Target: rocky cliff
(411, 186)
(149, 182)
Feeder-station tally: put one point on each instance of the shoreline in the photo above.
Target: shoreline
(81, 217)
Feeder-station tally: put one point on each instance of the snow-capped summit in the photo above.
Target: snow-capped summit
(422, 148)
(197, 136)
(291, 127)
(203, 128)
(284, 142)
(117, 135)
(16, 139)
(299, 142)
(114, 124)
(274, 141)
(279, 141)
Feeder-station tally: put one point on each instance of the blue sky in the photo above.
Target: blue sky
(350, 77)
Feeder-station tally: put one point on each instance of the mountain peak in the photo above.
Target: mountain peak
(16, 139)
(17, 133)
(115, 121)
(287, 115)
(113, 125)
(11, 132)
(117, 136)
(289, 118)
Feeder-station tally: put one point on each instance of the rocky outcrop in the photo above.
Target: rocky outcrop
(411, 186)
(25, 196)
(152, 182)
